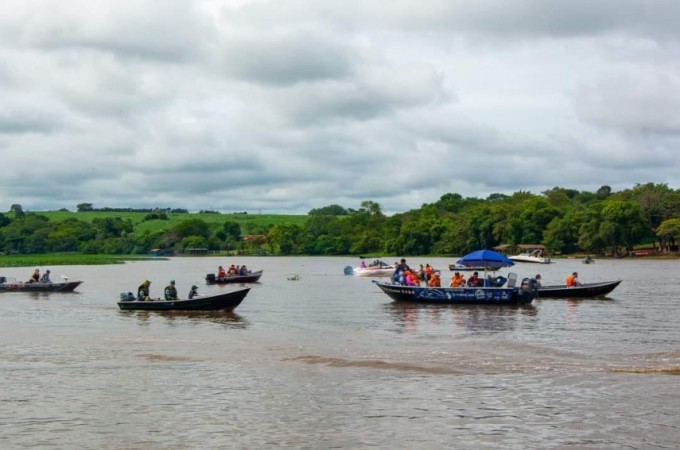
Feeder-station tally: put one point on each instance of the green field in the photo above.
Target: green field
(250, 223)
(65, 259)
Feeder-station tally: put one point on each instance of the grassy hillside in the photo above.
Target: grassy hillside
(250, 223)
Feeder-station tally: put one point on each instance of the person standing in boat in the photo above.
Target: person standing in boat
(170, 292)
(143, 291)
(538, 280)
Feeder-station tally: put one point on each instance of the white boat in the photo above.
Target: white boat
(376, 269)
(534, 256)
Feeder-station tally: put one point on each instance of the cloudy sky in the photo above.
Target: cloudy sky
(281, 106)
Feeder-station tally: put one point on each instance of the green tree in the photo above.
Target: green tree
(623, 224)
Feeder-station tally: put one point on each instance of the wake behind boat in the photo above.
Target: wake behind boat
(585, 290)
(11, 285)
(225, 301)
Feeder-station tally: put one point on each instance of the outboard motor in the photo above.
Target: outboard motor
(210, 278)
(348, 270)
(527, 290)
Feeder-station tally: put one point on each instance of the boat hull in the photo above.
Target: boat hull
(226, 301)
(587, 290)
(250, 278)
(469, 296)
(373, 272)
(530, 259)
(68, 286)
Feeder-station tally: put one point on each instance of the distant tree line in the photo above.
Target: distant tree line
(564, 220)
(83, 207)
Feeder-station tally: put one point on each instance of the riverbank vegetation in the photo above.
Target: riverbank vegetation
(565, 221)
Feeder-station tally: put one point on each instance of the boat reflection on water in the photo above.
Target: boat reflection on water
(413, 317)
(175, 317)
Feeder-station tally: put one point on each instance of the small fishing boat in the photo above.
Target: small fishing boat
(250, 277)
(585, 290)
(225, 301)
(11, 285)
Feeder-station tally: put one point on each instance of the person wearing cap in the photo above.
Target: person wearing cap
(193, 292)
(143, 291)
(170, 291)
(46, 277)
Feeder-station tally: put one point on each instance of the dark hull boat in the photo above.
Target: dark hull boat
(587, 290)
(226, 301)
(522, 295)
(20, 286)
(252, 277)
(463, 268)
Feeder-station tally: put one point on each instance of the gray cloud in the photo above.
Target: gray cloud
(289, 106)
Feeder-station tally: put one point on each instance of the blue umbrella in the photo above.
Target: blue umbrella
(486, 259)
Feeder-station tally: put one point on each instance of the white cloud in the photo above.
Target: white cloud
(285, 106)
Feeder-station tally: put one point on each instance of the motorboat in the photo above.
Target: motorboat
(534, 256)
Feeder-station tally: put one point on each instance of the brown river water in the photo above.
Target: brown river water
(330, 362)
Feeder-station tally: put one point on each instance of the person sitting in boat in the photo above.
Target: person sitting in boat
(411, 278)
(572, 280)
(170, 291)
(435, 280)
(143, 291)
(457, 280)
(538, 280)
(46, 277)
(232, 270)
(362, 265)
(35, 277)
(474, 280)
(243, 270)
(193, 292)
(221, 273)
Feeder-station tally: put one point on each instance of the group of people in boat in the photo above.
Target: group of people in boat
(37, 278)
(458, 280)
(232, 271)
(169, 292)
(406, 276)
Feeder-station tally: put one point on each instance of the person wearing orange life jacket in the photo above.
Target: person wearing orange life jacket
(457, 280)
(434, 280)
(572, 280)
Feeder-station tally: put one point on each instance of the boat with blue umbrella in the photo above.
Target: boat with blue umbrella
(492, 291)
